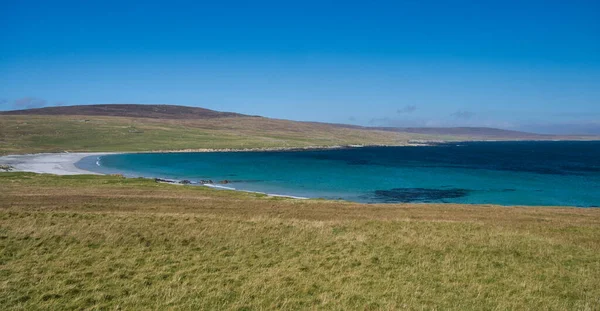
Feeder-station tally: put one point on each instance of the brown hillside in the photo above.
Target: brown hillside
(478, 132)
(129, 110)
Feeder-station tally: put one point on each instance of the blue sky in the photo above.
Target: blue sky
(528, 65)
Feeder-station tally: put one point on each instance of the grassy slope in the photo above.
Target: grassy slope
(22, 134)
(103, 241)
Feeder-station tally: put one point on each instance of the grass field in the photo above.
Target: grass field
(105, 242)
(30, 133)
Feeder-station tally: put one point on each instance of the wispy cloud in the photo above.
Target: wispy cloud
(459, 118)
(576, 114)
(391, 122)
(29, 102)
(380, 121)
(407, 109)
(463, 115)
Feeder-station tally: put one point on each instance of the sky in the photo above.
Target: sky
(521, 65)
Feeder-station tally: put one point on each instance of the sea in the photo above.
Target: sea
(549, 173)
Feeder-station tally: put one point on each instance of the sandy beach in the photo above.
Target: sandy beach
(64, 164)
(49, 163)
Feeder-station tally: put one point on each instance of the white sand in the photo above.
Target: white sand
(50, 163)
(64, 164)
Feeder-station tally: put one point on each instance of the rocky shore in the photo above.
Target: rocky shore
(189, 182)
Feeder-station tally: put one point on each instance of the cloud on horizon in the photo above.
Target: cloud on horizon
(576, 114)
(407, 109)
(585, 128)
(29, 103)
(460, 118)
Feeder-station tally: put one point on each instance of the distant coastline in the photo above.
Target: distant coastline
(265, 149)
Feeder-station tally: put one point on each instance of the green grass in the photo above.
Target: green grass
(106, 242)
(23, 134)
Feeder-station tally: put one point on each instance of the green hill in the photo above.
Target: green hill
(165, 127)
(159, 127)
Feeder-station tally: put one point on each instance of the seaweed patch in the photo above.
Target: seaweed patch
(406, 195)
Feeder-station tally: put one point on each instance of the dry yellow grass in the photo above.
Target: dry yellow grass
(104, 242)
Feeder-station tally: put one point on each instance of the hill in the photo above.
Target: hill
(122, 127)
(128, 110)
(164, 127)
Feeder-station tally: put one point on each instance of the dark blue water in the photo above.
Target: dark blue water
(508, 173)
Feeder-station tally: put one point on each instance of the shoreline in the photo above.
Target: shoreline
(50, 163)
(63, 163)
(267, 149)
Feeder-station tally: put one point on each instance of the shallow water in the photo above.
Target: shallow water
(507, 173)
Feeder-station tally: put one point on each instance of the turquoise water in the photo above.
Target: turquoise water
(507, 173)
